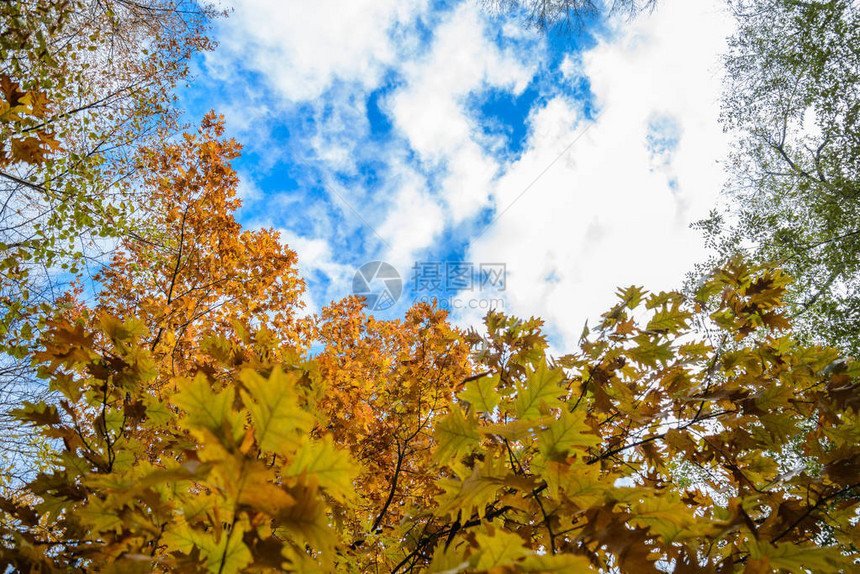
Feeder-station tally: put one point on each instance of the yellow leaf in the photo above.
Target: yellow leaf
(561, 563)
(541, 387)
(227, 554)
(803, 559)
(481, 394)
(231, 554)
(456, 435)
(278, 419)
(305, 521)
(301, 563)
(499, 548)
(447, 561)
(581, 483)
(476, 491)
(256, 488)
(565, 433)
(514, 430)
(665, 515)
(129, 564)
(206, 409)
(99, 517)
(333, 468)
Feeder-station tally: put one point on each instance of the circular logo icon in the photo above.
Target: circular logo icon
(379, 283)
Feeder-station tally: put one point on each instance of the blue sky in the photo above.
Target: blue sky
(420, 133)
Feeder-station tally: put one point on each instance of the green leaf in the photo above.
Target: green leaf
(481, 394)
(541, 387)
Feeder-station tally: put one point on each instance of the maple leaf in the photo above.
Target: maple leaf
(278, 420)
(499, 548)
(331, 467)
(541, 388)
(481, 393)
(455, 435)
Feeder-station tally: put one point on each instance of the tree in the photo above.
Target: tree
(197, 273)
(793, 72)
(539, 465)
(82, 84)
(385, 383)
(567, 15)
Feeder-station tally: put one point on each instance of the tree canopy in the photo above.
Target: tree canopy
(83, 85)
(197, 419)
(192, 437)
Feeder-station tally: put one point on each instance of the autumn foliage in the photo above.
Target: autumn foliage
(193, 431)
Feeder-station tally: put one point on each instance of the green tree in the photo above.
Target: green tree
(83, 83)
(792, 96)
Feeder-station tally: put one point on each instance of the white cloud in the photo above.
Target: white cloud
(430, 110)
(603, 216)
(315, 257)
(302, 47)
(248, 190)
(414, 222)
